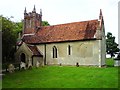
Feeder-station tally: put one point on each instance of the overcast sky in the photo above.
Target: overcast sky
(65, 11)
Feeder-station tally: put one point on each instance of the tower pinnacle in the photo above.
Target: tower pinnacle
(100, 15)
(34, 9)
(25, 11)
(40, 11)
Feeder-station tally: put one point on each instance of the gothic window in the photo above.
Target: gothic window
(27, 23)
(54, 52)
(69, 50)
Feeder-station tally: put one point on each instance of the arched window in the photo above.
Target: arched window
(69, 50)
(22, 57)
(54, 52)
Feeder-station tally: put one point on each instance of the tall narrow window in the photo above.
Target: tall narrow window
(27, 23)
(30, 24)
(69, 50)
(54, 52)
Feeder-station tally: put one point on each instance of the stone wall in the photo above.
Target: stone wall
(91, 52)
(39, 60)
(23, 49)
(103, 46)
(41, 48)
(83, 52)
(28, 55)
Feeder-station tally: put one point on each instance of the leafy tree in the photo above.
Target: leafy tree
(10, 32)
(111, 45)
(8, 39)
(18, 26)
(45, 23)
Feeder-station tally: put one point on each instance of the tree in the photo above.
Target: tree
(111, 45)
(45, 23)
(8, 39)
(18, 26)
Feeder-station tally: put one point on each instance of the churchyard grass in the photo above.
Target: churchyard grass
(64, 77)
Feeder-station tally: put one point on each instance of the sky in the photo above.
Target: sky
(65, 11)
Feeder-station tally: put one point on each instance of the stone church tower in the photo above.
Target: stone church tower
(32, 21)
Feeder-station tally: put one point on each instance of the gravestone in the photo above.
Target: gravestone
(117, 60)
(11, 68)
(37, 64)
(22, 65)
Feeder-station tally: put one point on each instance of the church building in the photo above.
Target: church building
(81, 43)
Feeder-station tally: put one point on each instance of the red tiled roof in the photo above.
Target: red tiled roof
(34, 50)
(64, 32)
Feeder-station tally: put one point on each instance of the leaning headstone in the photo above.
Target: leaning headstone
(117, 63)
(37, 64)
(22, 65)
(117, 60)
(11, 68)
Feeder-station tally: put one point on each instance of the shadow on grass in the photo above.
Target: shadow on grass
(110, 65)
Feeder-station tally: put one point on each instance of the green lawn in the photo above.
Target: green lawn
(64, 77)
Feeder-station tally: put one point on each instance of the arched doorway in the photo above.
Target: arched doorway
(22, 57)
